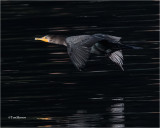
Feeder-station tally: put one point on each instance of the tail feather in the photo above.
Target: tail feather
(134, 47)
(123, 46)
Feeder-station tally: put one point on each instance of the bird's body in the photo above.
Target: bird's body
(80, 47)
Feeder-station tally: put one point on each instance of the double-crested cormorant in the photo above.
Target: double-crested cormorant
(80, 47)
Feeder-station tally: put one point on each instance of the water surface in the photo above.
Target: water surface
(39, 81)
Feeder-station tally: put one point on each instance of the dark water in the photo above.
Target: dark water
(40, 83)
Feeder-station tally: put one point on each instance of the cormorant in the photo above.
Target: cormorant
(80, 47)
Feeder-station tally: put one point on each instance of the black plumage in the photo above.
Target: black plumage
(80, 47)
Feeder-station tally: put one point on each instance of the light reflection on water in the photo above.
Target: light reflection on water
(82, 118)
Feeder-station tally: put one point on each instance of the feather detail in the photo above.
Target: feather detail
(117, 57)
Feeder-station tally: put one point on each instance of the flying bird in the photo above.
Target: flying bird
(80, 47)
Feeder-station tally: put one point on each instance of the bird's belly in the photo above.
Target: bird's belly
(97, 49)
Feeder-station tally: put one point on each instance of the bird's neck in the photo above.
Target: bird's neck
(61, 40)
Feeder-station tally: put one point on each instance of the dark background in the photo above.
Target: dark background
(39, 81)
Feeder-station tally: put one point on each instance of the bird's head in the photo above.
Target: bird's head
(53, 39)
(46, 38)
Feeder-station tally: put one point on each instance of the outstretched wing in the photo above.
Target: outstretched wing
(109, 38)
(79, 49)
(112, 44)
(117, 57)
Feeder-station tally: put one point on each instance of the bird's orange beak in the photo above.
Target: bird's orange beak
(42, 39)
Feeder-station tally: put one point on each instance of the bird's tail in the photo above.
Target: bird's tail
(124, 46)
